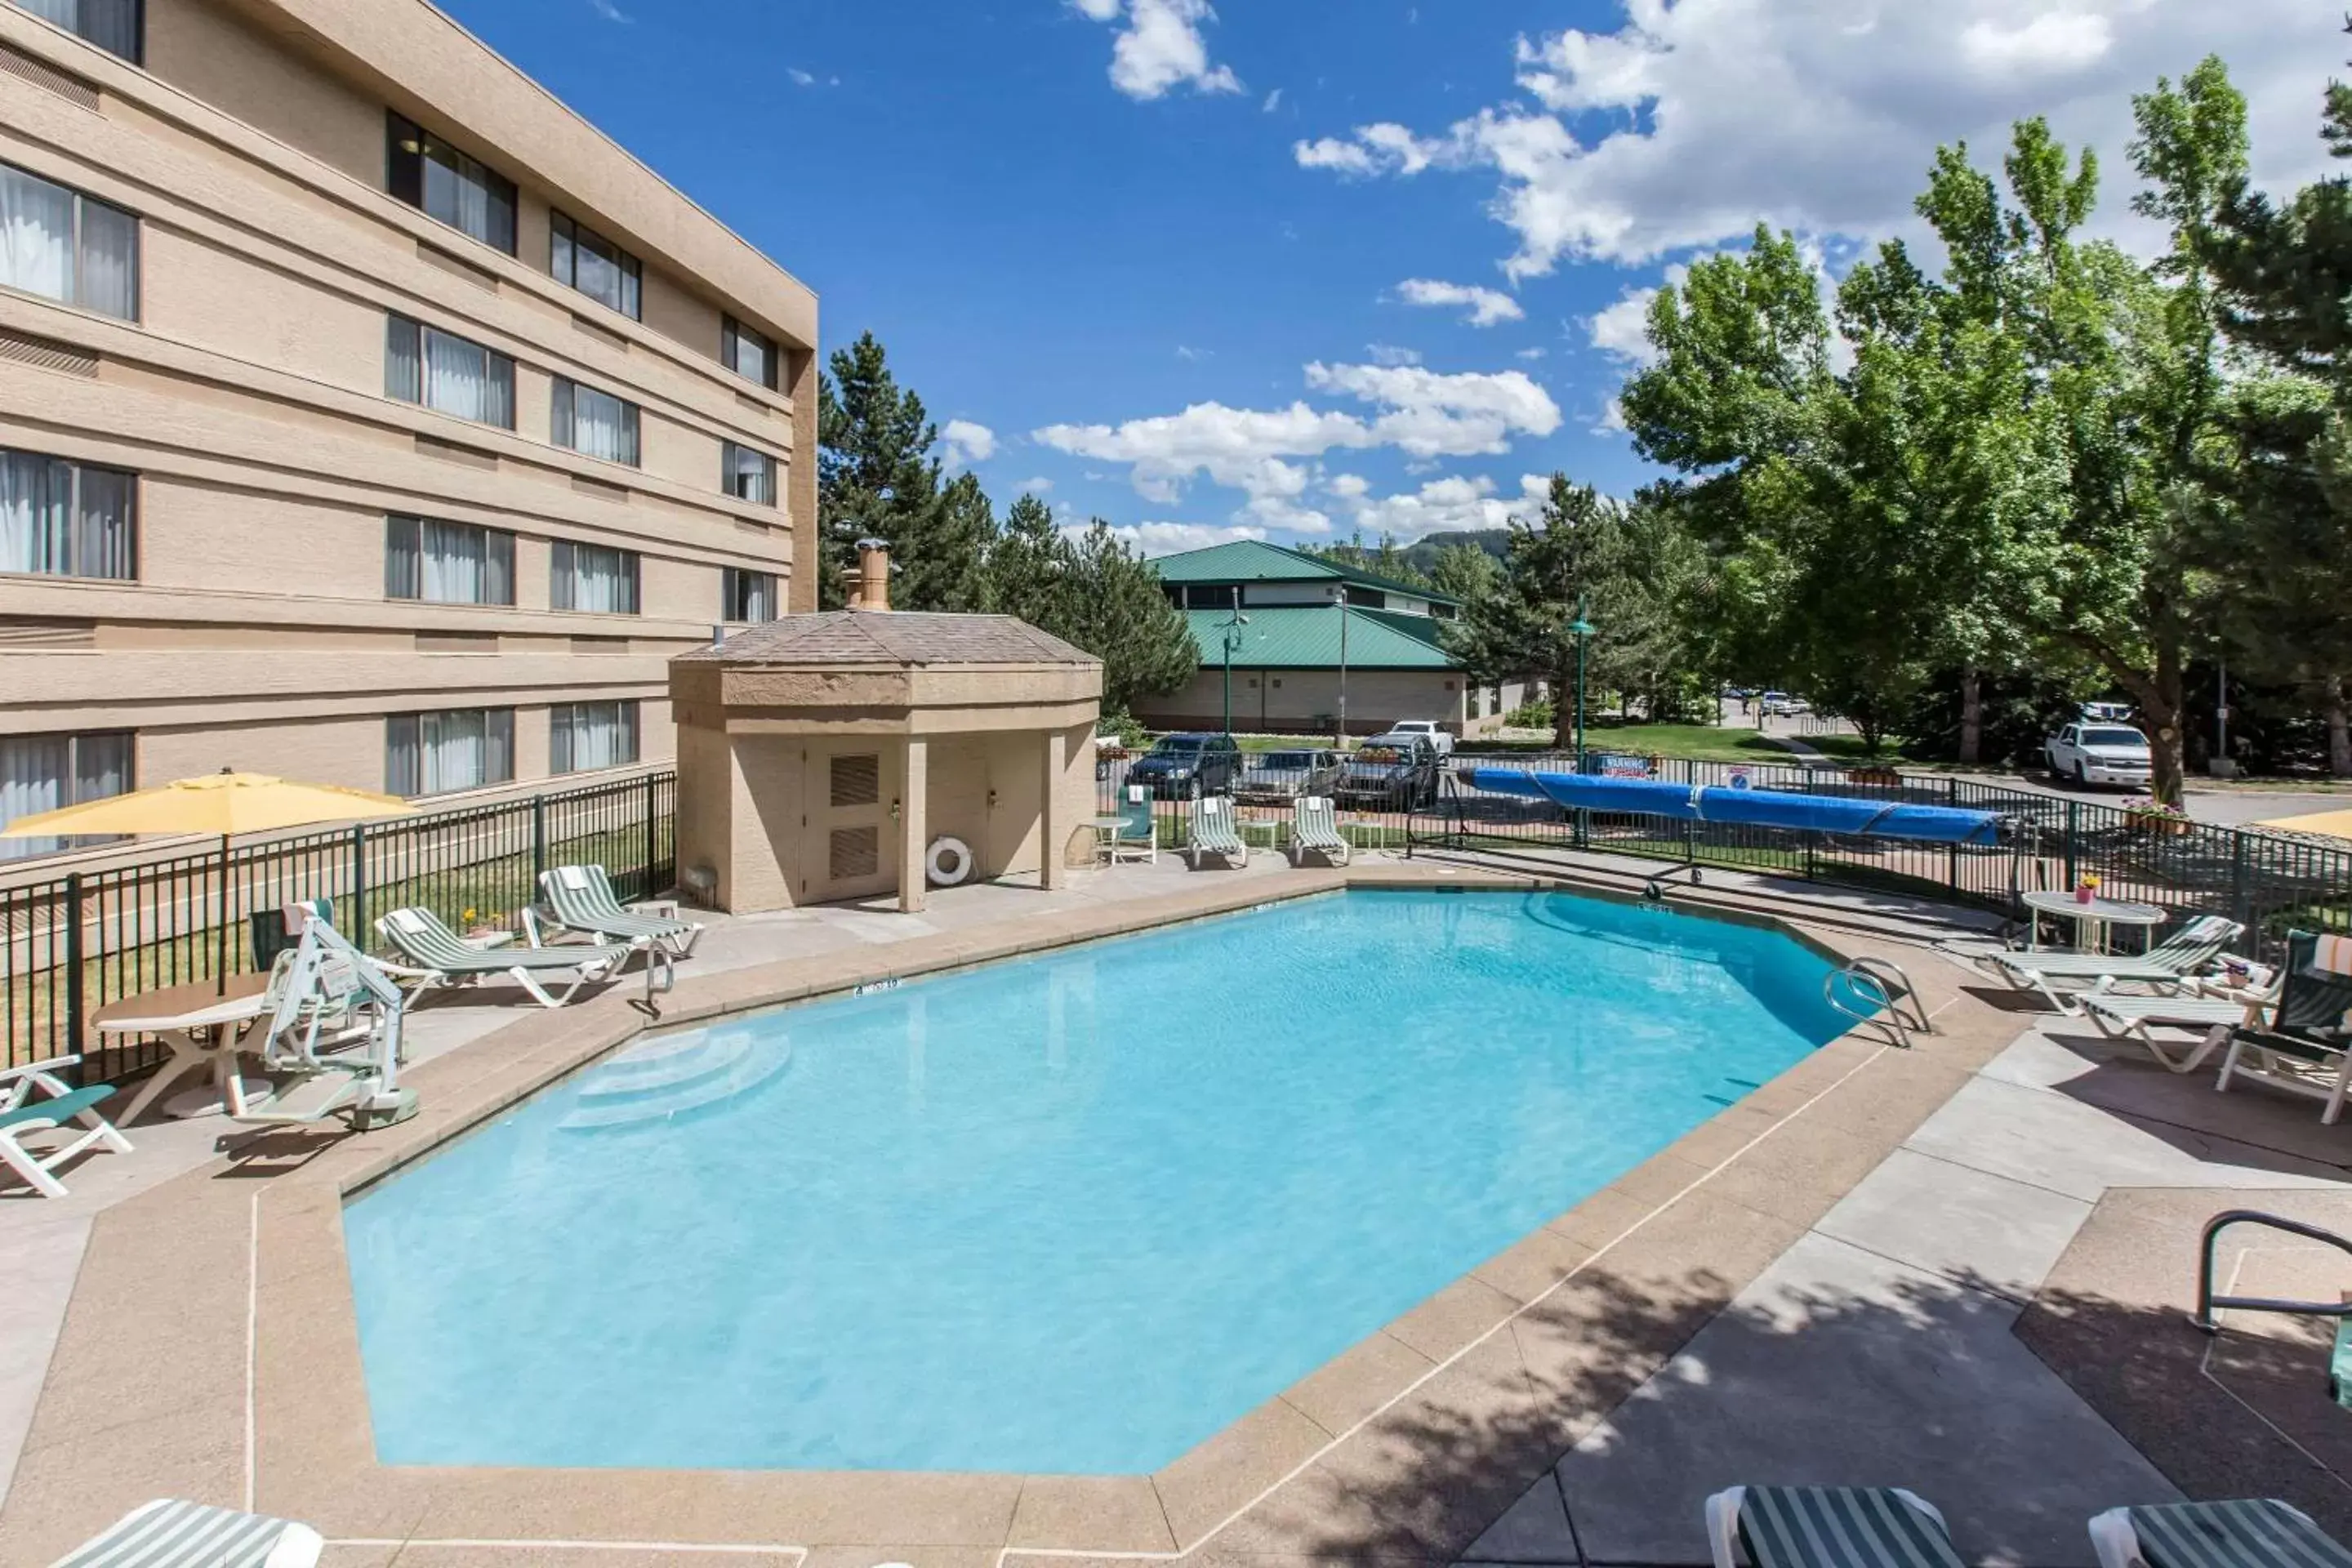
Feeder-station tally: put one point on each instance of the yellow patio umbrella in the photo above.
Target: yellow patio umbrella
(225, 803)
(2333, 823)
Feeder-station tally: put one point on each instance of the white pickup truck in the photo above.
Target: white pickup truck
(1439, 737)
(2093, 753)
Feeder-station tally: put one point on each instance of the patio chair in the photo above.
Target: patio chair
(1314, 830)
(582, 900)
(34, 1099)
(1136, 837)
(2251, 1533)
(438, 956)
(2167, 966)
(2308, 1049)
(2208, 1017)
(1212, 833)
(1827, 1527)
(169, 1533)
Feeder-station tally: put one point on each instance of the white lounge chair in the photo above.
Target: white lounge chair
(1314, 830)
(582, 900)
(2246, 1532)
(2168, 966)
(438, 956)
(1212, 833)
(1827, 1527)
(34, 1099)
(169, 1533)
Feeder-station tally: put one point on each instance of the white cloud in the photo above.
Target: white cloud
(1159, 47)
(1431, 414)
(967, 443)
(1168, 538)
(1487, 306)
(1191, 355)
(1823, 116)
(1622, 330)
(1441, 506)
(610, 12)
(1272, 101)
(800, 78)
(1036, 486)
(1531, 355)
(1390, 353)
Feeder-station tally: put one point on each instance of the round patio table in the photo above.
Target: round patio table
(2091, 919)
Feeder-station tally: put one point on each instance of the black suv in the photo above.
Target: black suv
(1186, 767)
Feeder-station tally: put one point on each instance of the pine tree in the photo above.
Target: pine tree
(877, 478)
(1573, 557)
(1118, 611)
(1029, 566)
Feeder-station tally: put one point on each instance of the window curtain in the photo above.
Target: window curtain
(59, 520)
(750, 595)
(461, 564)
(36, 221)
(459, 377)
(404, 373)
(597, 423)
(400, 571)
(434, 754)
(751, 476)
(107, 264)
(592, 578)
(41, 773)
(105, 533)
(748, 355)
(584, 735)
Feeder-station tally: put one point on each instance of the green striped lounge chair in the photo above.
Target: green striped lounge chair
(2307, 1049)
(2168, 966)
(1827, 1527)
(1213, 833)
(582, 900)
(434, 955)
(2252, 1532)
(2209, 1019)
(1314, 830)
(168, 1533)
(35, 1100)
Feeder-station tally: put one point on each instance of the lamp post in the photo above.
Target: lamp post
(1233, 628)
(1584, 629)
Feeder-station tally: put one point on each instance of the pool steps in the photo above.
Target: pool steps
(664, 1078)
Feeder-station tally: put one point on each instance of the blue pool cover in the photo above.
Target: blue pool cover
(1760, 808)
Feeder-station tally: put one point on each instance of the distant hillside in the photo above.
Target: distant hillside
(1422, 557)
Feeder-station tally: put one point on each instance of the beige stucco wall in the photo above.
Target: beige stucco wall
(1376, 698)
(249, 397)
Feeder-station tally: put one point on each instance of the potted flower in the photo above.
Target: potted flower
(2086, 888)
(2152, 816)
(1877, 774)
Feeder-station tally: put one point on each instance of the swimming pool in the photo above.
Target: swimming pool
(1070, 1214)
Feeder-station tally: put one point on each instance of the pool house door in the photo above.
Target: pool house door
(852, 851)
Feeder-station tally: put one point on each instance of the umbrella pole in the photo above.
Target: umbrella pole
(220, 953)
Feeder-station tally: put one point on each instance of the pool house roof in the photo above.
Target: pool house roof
(1309, 637)
(1253, 560)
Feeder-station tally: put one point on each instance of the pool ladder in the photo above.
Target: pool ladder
(1890, 1002)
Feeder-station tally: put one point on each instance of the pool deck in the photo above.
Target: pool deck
(1959, 1268)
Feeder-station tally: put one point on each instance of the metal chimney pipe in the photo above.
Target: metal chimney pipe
(873, 576)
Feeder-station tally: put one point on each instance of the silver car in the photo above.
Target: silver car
(1278, 778)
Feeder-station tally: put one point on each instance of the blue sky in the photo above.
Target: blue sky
(1165, 258)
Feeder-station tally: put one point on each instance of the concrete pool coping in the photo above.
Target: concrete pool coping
(211, 1330)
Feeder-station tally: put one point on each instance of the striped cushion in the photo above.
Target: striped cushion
(1839, 1527)
(2259, 1533)
(182, 1535)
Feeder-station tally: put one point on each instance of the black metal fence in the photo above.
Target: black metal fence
(74, 943)
(2269, 882)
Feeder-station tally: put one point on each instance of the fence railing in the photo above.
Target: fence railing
(2269, 882)
(72, 945)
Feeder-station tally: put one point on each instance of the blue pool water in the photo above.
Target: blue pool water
(1071, 1213)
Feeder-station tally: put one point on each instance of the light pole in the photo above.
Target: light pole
(1584, 629)
(1232, 639)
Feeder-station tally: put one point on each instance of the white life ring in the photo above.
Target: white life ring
(957, 855)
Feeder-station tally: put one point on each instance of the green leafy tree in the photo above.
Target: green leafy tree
(878, 479)
(1572, 556)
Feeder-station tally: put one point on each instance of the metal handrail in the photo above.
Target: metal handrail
(1898, 984)
(2202, 1318)
(1885, 1013)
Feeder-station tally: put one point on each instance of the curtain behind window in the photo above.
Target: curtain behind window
(107, 263)
(603, 426)
(35, 234)
(584, 735)
(57, 519)
(592, 578)
(41, 773)
(749, 475)
(105, 536)
(433, 753)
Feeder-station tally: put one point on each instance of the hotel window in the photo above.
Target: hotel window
(747, 475)
(583, 259)
(584, 735)
(42, 773)
(748, 354)
(447, 562)
(593, 424)
(66, 246)
(61, 519)
(462, 748)
(592, 578)
(113, 25)
(746, 595)
(434, 177)
(447, 373)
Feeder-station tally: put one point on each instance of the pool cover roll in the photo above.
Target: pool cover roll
(1754, 808)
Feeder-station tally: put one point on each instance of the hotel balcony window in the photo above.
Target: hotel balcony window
(584, 735)
(745, 596)
(593, 424)
(583, 259)
(443, 182)
(461, 748)
(66, 246)
(747, 475)
(114, 26)
(592, 578)
(748, 354)
(42, 773)
(447, 562)
(447, 373)
(61, 519)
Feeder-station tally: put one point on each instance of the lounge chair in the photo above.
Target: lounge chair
(2167, 966)
(584, 900)
(1314, 830)
(436, 956)
(1827, 1527)
(2210, 1018)
(2308, 1049)
(34, 1099)
(169, 1534)
(2252, 1533)
(1212, 833)
(1136, 837)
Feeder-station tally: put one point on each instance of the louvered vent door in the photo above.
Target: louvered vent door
(852, 850)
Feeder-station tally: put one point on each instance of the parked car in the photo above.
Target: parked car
(1440, 738)
(2100, 753)
(1186, 767)
(1778, 704)
(1278, 778)
(1389, 772)
(1109, 752)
